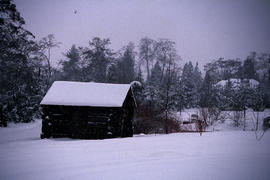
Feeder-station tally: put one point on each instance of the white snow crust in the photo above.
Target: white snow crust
(86, 94)
(236, 83)
(222, 155)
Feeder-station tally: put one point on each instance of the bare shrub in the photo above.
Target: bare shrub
(214, 114)
(204, 114)
(237, 117)
(210, 115)
(173, 125)
(150, 119)
(223, 117)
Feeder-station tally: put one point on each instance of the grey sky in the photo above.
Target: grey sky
(202, 30)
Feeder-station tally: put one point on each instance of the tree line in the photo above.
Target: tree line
(163, 85)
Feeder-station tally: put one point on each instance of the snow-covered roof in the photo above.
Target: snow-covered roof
(236, 82)
(86, 94)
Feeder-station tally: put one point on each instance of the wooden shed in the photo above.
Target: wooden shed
(87, 110)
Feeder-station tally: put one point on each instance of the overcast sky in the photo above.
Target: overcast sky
(203, 30)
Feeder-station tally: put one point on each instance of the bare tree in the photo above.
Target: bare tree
(168, 56)
(147, 53)
(45, 46)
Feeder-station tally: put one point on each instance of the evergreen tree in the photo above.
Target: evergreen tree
(187, 85)
(70, 68)
(173, 95)
(19, 82)
(208, 93)
(113, 73)
(154, 83)
(97, 58)
(248, 70)
(227, 96)
(197, 81)
(126, 65)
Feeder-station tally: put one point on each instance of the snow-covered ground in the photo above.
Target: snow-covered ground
(215, 155)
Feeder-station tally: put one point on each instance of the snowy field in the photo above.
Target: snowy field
(215, 155)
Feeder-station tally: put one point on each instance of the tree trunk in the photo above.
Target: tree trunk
(244, 120)
(167, 97)
(257, 121)
(49, 68)
(162, 72)
(148, 71)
